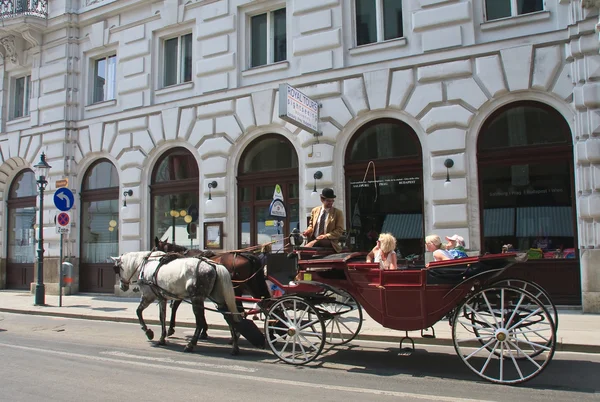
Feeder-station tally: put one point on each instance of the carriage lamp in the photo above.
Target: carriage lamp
(448, 163)
(317, 176)
(295, 238)
(126, 193)
(211, 185)
(41, 168)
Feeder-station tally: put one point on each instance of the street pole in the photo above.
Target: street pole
(40, 291)
(42, 168)
(60, 272)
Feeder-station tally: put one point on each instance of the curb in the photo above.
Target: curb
(560, 347)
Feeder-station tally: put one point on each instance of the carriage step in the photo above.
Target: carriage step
(430, 336)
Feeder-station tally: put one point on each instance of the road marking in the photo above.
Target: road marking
(185, 363)
(253, 379)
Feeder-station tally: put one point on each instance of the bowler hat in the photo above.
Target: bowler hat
(327, 193)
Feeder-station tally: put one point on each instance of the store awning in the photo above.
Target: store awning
(545, 221)
(499, 222)
(404, 226)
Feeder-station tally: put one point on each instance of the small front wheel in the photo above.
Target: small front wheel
(294, 330)
(342, 315)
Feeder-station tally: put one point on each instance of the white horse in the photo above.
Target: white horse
(192, 279)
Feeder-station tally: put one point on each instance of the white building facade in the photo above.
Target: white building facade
(177, 101)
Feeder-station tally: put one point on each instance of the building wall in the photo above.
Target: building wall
(444, 78)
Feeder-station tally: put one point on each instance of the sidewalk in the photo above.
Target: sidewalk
(577, 332)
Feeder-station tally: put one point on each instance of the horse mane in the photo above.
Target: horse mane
(134, 260)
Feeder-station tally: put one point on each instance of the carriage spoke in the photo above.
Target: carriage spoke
(515, 310)
(489, 358)
(480, 349)
(281, 319)
(482, 317)
(534, 345)
(479, 328)
(310, 324)
(309, 342)
(487, 302)
(525, 354)
(502, 358)
(515, 363)
(523, 319)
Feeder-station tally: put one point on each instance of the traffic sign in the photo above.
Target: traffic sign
(63, 223)
(64, 199)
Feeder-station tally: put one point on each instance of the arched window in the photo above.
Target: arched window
(175, 198)
(22, 235)
(384, 183)
(268, 161)
(99, 227)
(525, 160)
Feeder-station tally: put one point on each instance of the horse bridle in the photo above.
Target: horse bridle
(128, 281)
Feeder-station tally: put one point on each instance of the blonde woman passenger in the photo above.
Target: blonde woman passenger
(434, 245)
(384, 253)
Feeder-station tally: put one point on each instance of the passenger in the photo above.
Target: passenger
(456, 246)
(434, 244)
(384, 253)
(326, 223)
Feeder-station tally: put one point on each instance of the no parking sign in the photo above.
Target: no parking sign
(63, 223)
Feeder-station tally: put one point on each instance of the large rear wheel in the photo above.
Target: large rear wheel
(294, 330)
(504, 334)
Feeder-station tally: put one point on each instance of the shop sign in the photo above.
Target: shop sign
(515, 192)
(298, 109)
(385, 182)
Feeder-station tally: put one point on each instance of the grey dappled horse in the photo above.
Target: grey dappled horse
(181, 278)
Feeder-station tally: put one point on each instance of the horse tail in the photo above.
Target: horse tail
(224, 278)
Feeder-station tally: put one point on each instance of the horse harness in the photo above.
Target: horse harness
(164, 260)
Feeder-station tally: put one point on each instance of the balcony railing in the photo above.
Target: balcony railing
(18, 8)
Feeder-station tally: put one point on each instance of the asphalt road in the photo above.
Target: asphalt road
(59, 359)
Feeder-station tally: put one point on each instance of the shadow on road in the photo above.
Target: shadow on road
(572, 373)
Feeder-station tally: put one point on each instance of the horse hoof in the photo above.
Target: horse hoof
(230, 341)
(203, 336)
(150, 334)
(188, 349)
(171, 332)
(235, 352)
(162, 342)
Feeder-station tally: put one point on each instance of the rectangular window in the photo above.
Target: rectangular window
(378, 20)
(22, 96)
(268, 39)
(178, 60)
(105, 71)
(496, 9)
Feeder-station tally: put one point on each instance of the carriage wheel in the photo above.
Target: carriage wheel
(536, 290)
(504, 334)
(343, 317)
(294, 330)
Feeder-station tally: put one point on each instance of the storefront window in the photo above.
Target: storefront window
(175, 199)
(100, 214)
(267, 162)
(385, 186)
(22, 219)
(526, 179)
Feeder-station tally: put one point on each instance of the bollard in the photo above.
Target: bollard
(66, 277)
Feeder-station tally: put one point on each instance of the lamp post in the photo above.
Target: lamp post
(41, 169)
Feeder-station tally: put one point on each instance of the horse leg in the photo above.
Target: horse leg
(198, 309)
(235, 350)
(162, 310)
(174, 306)
(234, 334)
(144, 302)
(204, 329)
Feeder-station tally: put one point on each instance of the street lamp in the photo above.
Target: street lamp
(41, 169)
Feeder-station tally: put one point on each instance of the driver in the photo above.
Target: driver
(326, 223)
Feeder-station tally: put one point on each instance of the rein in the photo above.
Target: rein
(128, 281)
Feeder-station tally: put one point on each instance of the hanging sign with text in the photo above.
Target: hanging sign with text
(298, 109)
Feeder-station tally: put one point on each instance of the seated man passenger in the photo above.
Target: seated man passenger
(433, 243)
(326, 223)
(456, 246)
(384, 253)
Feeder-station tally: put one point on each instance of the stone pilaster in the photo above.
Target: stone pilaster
(584, 49)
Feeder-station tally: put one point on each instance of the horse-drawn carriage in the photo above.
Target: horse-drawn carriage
(503, 329)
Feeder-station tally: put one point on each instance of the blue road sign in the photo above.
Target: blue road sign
(63, 199)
